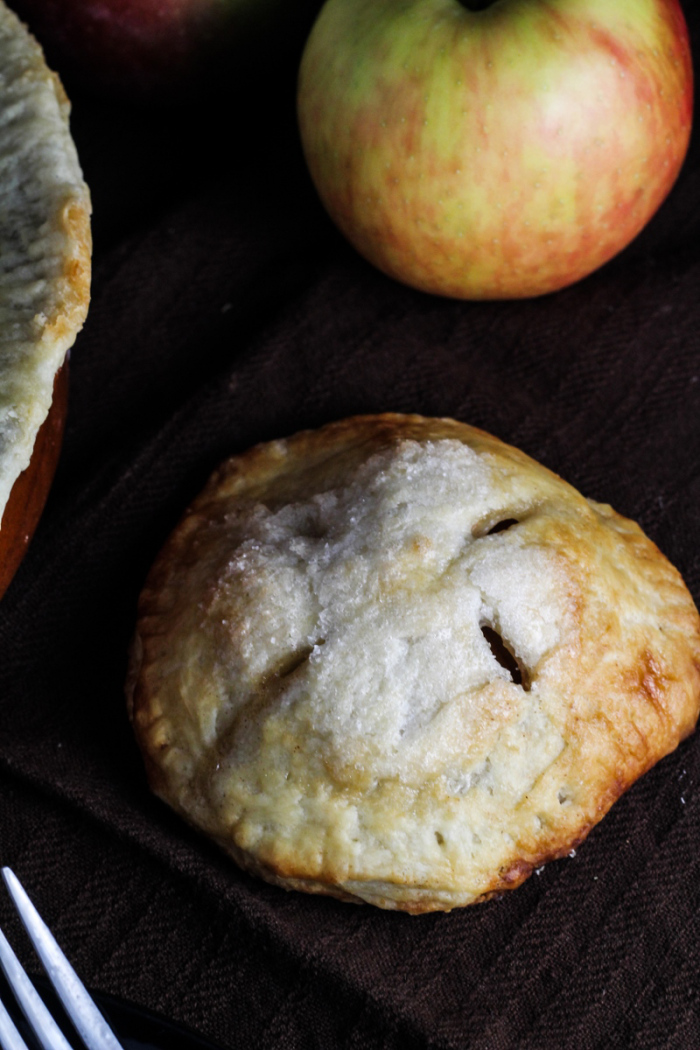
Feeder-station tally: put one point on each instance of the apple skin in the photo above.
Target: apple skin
(161, 50)
(501, 153)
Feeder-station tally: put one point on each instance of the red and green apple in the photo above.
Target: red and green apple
(498, 152)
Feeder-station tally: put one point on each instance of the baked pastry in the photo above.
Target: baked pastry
(397, 661)
(45, 243)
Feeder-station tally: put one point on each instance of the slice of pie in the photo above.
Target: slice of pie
(45, 243)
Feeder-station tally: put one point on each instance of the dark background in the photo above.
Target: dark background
(226, 310)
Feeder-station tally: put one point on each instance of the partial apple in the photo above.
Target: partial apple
(161, 49)
(503, 152)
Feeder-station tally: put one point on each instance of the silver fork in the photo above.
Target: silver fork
(87, 1019)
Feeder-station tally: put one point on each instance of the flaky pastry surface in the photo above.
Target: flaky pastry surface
(45, 243)
(397, 661)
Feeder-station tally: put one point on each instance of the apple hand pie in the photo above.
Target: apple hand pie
(45, 243)
(397, 661)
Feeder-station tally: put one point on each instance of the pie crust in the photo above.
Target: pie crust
(45, 244)
(396, 660)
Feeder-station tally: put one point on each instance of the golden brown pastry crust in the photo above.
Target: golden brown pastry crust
(292, 681)
(45, 263)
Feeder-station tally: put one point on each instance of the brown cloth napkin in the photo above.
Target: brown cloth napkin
(227, 310)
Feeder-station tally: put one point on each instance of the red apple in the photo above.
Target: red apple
(155, 49)
(494, 153)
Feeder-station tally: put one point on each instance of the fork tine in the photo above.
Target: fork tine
(10, 1039)
(93, 1029)
(47, 1031)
